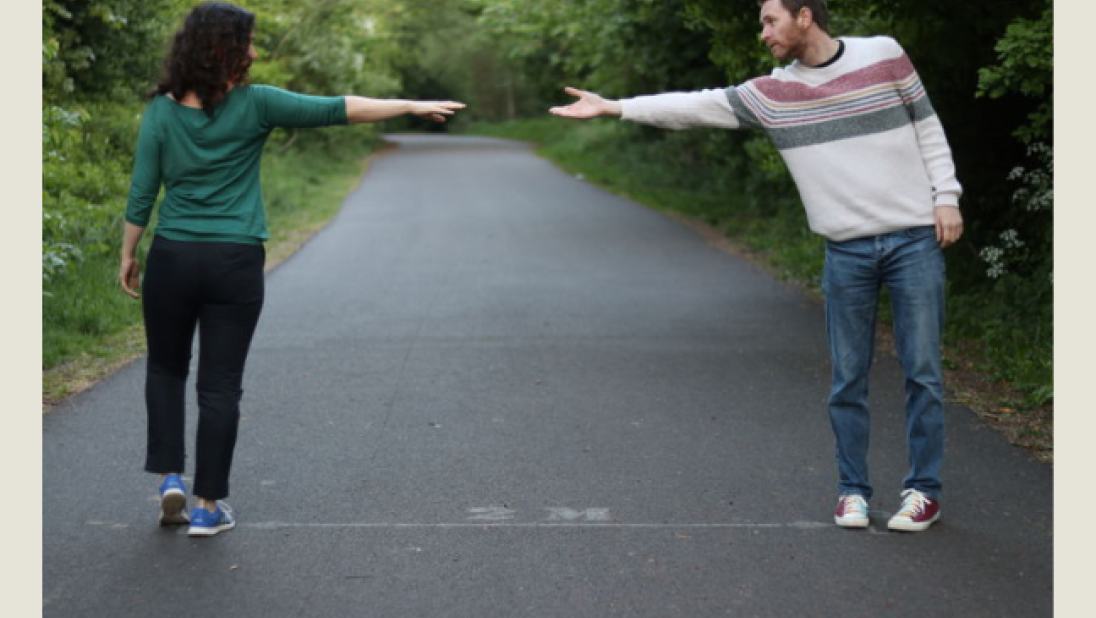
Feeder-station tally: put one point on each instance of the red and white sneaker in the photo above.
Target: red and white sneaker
(918, 512)
(851, 511)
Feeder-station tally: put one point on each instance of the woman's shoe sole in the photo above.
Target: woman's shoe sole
(210, 531)
(173, 509)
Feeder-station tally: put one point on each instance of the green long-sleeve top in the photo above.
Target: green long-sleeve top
(209, 166)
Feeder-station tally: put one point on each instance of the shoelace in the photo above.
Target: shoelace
(913, 502)
(853, 504)
(223, 506)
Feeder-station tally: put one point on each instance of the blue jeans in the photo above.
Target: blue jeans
(911, 265)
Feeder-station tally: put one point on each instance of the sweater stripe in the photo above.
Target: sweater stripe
(883, 73)
(775, 116)
(866, 121)
(880, 97)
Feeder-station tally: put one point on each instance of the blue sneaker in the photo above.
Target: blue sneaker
(173, 501)
(204, 523)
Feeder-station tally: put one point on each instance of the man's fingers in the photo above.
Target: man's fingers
(949, 226)
(588, 105)
(948, 235)
(567, 112)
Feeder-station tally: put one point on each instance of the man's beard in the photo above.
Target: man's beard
(791, 51)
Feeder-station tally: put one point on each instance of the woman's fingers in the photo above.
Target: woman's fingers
(130, 282)
(439, 110)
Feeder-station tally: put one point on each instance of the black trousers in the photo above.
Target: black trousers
(217, 288)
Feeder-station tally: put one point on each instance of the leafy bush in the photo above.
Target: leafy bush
(84, 175)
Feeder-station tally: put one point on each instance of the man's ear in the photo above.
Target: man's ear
(805, 18)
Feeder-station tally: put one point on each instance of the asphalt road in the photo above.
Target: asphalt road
(489, 389)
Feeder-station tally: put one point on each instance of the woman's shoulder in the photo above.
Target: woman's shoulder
(157, 99)
(158, 104)
(259, 96)
(260, 90)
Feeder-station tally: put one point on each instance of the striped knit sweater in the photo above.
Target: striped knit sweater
(859, 136)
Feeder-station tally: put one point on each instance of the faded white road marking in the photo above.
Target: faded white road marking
(566, 514)
(276, 525)
(491, 513)
(488, 517)
(487, 525)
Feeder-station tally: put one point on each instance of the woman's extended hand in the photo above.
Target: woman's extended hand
(129, 275)
(436, 110)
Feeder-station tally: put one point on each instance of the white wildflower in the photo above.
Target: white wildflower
(1011, 239)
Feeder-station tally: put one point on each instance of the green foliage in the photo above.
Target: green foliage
(105, 48)
(84, 308)
(1015, 311)
(734, 37)
(325, 47)
(304, 187)
(84, 171)
(619, 47)
(1014, 333)
(444, 54)
(1017, 250)
(1026, 67)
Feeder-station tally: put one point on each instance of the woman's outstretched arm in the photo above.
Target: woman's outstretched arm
(363, 109)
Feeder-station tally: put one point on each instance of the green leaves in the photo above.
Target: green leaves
(104, 48)
(326, 47)
(1026, 67)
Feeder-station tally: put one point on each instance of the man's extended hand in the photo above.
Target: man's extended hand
(949, 225)
(589, 105)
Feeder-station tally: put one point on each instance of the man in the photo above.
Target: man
(875, 174)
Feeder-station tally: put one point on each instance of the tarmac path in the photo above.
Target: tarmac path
(489, 389)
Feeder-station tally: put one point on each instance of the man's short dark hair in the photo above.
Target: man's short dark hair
(819, 11)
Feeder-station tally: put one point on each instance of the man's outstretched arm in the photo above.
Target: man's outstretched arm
(669, 110)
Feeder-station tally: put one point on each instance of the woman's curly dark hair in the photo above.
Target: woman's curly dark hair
(210, 51)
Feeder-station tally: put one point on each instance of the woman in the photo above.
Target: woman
(202, 137)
